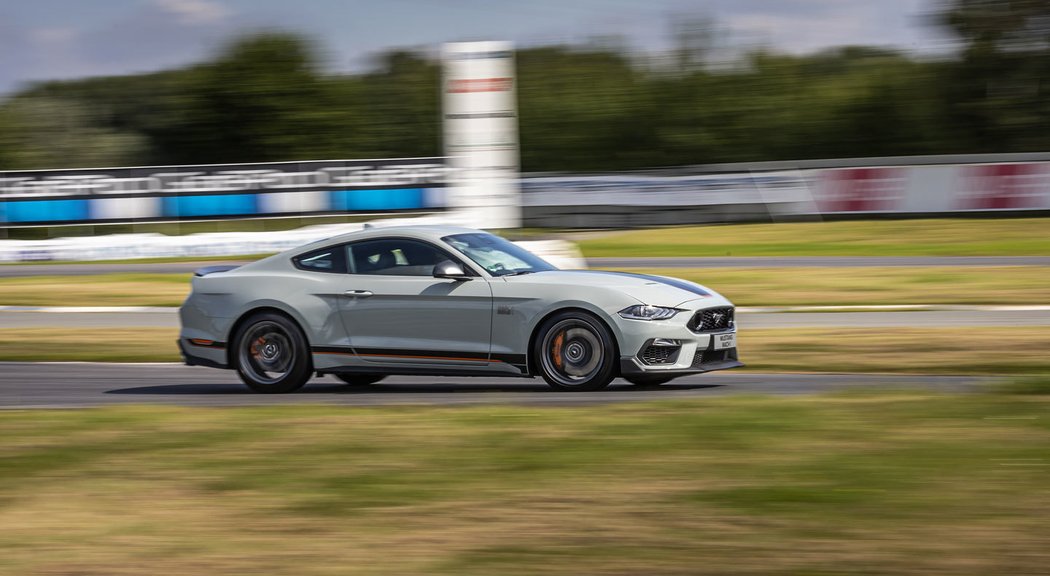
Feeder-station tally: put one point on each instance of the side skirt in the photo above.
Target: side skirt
(513, 365)
(420, 371)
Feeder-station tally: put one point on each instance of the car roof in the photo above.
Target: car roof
(424, 231)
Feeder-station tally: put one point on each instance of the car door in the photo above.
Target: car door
(396, 312)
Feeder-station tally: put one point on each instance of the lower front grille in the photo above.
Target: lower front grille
(660, 354)
(709, 356)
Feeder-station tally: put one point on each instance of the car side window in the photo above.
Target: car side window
(395, 257)
(331, 259)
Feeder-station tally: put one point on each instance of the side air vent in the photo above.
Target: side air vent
(660, 352)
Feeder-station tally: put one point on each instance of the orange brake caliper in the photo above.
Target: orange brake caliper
(556, 349)
(257, 345)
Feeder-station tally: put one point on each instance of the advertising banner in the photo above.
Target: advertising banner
(171, 193)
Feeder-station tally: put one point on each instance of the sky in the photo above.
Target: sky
(57, 39)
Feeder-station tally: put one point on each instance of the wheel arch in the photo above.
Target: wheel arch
(231, 346)
(530, 358)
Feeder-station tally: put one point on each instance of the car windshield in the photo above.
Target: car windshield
(496, 255)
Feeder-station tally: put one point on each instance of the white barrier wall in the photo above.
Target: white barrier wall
(131, 246)
(872, 189)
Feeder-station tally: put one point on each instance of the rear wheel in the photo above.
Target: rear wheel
(360, 379)
(271, 354)
(575, 351)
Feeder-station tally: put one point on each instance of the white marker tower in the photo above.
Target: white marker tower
(481, 134)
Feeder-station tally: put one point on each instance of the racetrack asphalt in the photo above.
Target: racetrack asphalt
(1035, 316)
(87, 268)
(81, 385)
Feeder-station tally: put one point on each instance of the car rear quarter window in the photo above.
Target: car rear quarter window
(331, 260)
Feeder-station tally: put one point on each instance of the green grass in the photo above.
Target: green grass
(745, 286)
(957, 350)
(935, 237)
(864, 483)
(1035, 384)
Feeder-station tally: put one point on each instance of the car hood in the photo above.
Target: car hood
(647, 289)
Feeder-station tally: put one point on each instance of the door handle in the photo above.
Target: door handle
(358, 293)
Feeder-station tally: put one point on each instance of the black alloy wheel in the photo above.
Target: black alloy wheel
(272, 355)
(575, 351)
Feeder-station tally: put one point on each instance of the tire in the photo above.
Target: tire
(271, 354)
(575, 351)
(648, 381)
(360, 379)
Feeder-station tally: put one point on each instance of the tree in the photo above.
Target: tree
(999, 90)
(400, 105)
(261, 100)
(43, 132)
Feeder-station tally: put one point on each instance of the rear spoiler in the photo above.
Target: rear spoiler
(214, 269)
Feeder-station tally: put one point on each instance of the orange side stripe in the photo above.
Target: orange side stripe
(413, 357)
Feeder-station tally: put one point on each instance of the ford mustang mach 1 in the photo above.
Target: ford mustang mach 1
(446, 301)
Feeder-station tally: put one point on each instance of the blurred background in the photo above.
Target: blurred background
(867, 181)
(604, 85)
(804, 109)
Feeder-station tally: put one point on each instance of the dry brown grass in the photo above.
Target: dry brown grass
(89, 344)
(96, 290)
(959, 350)
(874, 285)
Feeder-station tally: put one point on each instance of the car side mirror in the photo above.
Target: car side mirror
(449, 269)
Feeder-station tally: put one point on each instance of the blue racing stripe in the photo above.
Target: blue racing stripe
(675, 282)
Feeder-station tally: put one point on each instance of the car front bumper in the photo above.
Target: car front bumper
(702, 360)
(684, 349)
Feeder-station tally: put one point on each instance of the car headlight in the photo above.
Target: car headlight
(645, 312)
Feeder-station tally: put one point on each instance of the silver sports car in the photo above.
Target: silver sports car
(437, 300)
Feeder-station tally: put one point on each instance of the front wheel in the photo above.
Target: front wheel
(271, 354)
(575, 351)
